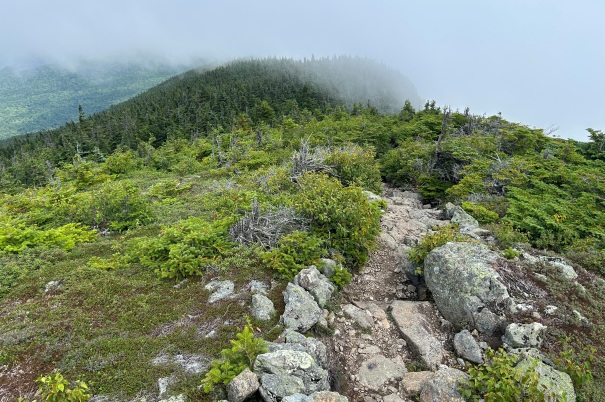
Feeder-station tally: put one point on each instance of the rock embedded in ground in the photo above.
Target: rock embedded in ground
(467, 347)
(361, 317)
(524, 335)
(274, 387)
(550, 380)
(464, 285)
(413, 382)
(293, 363)
(412, 319)
(458, 215)
(301, 312)
(262, 307)
(379, 370)
(443, 387)
(220, 290)
(242, 386)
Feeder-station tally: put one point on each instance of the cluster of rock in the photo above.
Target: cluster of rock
(295, 368)
(471, 306)
(469, 293)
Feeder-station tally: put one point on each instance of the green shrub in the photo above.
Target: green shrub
(169, 189)
(507, 236)
(236, 359)
(479, 212)
(355, 165)
(295, 251)
(500, 380)
(342, 277)
(442, 235)
(577, 365)
(55, 388)
(510, 253)
(16, 236)
(342, 216)
(122, 161)
(181, 250)
(116, 205)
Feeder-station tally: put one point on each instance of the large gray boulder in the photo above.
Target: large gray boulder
(314, 347)
(524, 335)
(293, 363)
(466, 289)
(301, 312)
(443, 386)
(467, 347)
(553, 382)
(242, 386)
(275, 387)
(412, 319)
(315, 283)
(262, 307)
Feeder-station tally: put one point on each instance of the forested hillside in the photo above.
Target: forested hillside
(48, 96)
(123, 205)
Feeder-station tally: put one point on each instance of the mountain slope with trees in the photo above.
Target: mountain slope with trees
(123, 205)
(48, 96)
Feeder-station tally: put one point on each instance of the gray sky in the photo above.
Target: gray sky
(539, 62)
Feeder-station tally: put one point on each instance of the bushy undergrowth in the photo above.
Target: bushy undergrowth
(242, 353)
(439, 237)
(181, 250)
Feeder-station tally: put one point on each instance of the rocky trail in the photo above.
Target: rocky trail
(385, 337)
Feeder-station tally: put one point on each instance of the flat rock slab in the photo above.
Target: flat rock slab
(412, 319)
(220, 290)
(443, 387)
(414, 381)
(379, 370)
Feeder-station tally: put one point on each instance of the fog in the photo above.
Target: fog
(538, 62)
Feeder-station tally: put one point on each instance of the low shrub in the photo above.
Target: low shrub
(500, 380)
(442, 235)
(295, 251)
(55, 388)
(355, 165)
(182, 249)
(234, 360)
(342, 216)
(479, 212)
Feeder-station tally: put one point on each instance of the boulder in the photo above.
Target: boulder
(361, 317)
(314, 347)
(293, 363)
(242, 386)
(262, 307)
(443, 387)
(315, 283)
(379, 370)
(467, 347)
(220, 290)
(258, 287)
(301, 312)
(524, 335)
(413, 382)
(552, 381)
(465, 287)
(275, 387)
(412, 319)
(456, 214)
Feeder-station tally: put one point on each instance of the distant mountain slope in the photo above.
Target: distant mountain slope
(198, 101)
(48, 96)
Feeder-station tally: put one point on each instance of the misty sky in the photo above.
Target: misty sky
(539, 62)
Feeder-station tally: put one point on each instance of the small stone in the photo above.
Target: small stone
(550, 309)
(242, 386)
(53, 286)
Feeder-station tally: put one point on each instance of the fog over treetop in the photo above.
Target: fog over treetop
(538, 62)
